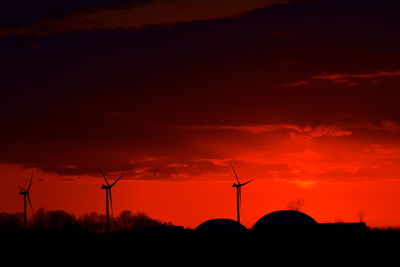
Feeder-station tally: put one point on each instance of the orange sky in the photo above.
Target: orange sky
(301, 96)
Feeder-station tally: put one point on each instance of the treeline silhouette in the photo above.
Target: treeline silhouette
(44, 220)
(58, 238)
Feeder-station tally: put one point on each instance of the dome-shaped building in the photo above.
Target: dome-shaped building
(284, 218)
(221, 226)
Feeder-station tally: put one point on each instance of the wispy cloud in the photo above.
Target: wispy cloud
(347, 79)
(318, 131)
(386, 126)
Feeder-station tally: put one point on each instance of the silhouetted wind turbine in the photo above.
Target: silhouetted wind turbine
(25, 192)
(108, 187)
(238, 187)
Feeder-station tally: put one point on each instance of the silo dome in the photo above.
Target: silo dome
(220, 226)
(284, 218)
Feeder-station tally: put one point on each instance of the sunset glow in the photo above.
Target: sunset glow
(301, 96)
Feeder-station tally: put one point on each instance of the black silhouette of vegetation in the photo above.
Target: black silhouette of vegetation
(43, 220)
(58, 238)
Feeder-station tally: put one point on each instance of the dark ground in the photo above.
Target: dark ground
(162, 246)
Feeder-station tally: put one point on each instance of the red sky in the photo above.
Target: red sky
(300, 96)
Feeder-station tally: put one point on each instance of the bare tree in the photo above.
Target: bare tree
(296, 205)
(52, 220)
(92, 222)
(361, 215)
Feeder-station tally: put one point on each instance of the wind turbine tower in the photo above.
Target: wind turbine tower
(109, 204)
(238, 187)
(25, 193)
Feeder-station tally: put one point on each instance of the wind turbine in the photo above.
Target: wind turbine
(108, 187)
(238, 187)
(25, 192)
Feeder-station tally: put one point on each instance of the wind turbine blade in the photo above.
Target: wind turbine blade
(105, 178)
(30, 203)
(20, 187)
(30, 183)
(116, 180)
(237, 178)
(111, 205)
(246, 183)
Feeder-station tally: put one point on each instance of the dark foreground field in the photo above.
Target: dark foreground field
(162, 246)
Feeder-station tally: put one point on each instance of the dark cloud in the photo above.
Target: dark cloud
(21, 13)
(44, 17)
(161, 102)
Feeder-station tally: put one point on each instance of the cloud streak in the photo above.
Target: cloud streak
(347, 79)
(274, 151)
(310, 131)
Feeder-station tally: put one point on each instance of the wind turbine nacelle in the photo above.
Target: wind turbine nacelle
(103, 187)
